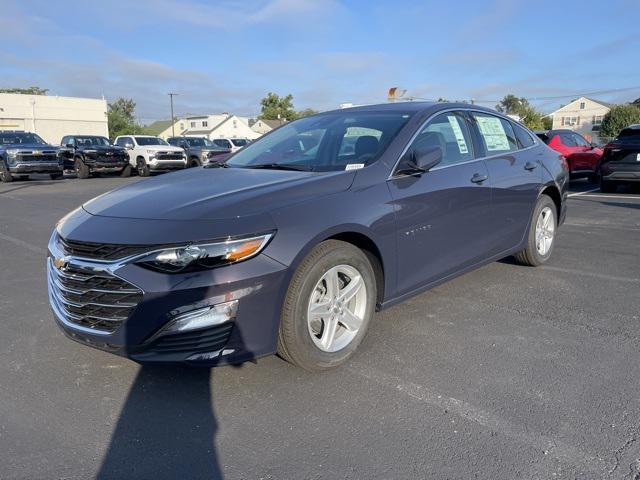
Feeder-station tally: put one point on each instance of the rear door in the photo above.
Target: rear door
(441, 214)
(516, 174)
(585, 157)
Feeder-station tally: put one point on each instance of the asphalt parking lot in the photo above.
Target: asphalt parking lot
(505, 373)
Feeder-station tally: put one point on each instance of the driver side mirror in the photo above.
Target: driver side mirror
(69, 145)
(128, 146)
(421, 160)
(184, 145)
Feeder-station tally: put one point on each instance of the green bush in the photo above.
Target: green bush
(619, 117)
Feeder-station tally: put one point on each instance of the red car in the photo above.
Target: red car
(582, 156)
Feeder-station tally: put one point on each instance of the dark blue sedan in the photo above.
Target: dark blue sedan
(293, 243)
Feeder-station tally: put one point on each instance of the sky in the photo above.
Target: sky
(224, 56)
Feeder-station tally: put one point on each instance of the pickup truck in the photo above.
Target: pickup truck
(199, 150)
(87, 154)
(23, 153)
(152, 154)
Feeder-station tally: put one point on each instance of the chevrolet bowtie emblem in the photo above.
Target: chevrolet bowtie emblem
(60, 263)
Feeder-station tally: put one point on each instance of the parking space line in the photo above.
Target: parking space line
(582, 193)
(543, 443)
(22, 243)
(602, 276)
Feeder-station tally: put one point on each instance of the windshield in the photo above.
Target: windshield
(325, 142)
(92, 142)
(239, 142)
(144, 141)
(195, 142)
(16, 138)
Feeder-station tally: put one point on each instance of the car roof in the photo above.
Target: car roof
(417, 107)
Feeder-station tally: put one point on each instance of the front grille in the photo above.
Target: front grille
(99, 251)
(47, 156)
(169, 156)
(201, 341)
(95, 300)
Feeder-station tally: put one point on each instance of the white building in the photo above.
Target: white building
(53, 117)
(222, 125)
(583, 115)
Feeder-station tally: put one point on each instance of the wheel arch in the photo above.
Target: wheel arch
(553, 192)
(361, 238)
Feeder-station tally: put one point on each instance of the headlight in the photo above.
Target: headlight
(203, 256)
(151, 152)
(12, 152)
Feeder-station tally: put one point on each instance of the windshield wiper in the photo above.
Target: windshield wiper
(213, 164)
(281, 166)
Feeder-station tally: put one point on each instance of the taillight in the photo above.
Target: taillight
(564, 163)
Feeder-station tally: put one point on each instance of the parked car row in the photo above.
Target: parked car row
(618, 163)
(24, 153)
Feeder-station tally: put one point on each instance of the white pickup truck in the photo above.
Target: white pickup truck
(148, 153)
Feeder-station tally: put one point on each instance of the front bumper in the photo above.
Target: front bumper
(36, 167)
(159, 165)
(257, 285)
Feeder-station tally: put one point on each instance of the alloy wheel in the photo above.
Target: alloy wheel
(336, 308)
(545, 230)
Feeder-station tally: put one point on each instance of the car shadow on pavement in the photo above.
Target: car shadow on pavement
(166, 428)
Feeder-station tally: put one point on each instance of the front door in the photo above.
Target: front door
(442, 214)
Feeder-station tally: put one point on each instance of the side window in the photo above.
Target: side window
(120, 141)
(450, 132)
(581, 142)
(524, 138)
(568, 140)
(173, 141)
(496, 133)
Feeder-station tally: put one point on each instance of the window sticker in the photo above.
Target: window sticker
(457, 131)
(493, 132)
(354, 166)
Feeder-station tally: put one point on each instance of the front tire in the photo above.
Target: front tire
(328, 307)
(541, 237)
(56, 176)
(5, 174)
(142, 167)
(193, 162)
(126, 172)
(82, 170)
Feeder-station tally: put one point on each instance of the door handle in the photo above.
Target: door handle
(530, 166)
(478, 178)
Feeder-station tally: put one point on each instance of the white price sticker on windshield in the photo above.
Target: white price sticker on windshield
(354, 166)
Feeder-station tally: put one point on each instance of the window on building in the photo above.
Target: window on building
(569, 121)
(205, 123)
(193, 124)
(581, 105)
(597, 119)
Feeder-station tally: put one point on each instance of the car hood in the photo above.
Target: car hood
(216, 193)
(31, 146)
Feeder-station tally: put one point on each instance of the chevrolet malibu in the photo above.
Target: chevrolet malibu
(293, 243)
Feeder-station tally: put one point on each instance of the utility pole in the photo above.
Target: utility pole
(173, 121)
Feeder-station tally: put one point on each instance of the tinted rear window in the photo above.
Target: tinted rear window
(628, 135)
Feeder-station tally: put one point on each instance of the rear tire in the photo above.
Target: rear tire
(142, 167)
(323, 318)
(541, 236)
(126, 172)
(608, 187)
(82, 170)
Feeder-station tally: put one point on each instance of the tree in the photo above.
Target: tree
(26, 91)
(547, 122)
(121, 118)
(306, 112)
(617, 118)
(636, 102)
(529, 116)
(275, 107)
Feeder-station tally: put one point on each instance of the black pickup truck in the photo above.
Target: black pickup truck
(23, 153)
(199, 150)
(87, 154)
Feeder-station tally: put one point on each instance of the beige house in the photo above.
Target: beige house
(53, 117)
(583, 115)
